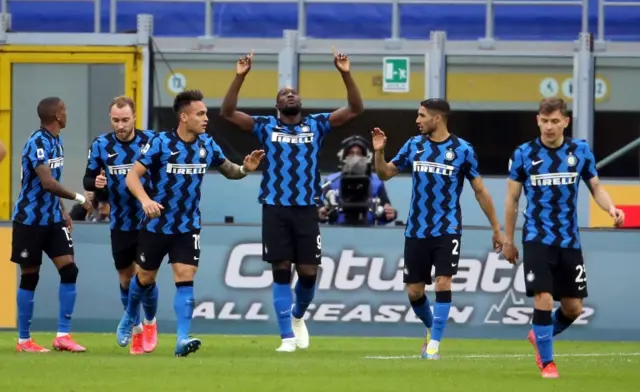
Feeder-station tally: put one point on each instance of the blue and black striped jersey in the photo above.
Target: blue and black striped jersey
(35, 206)
(291, 176)
(551, 179)
(438, 171)
(116, 158)
(177, 169)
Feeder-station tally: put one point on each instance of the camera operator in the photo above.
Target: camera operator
(355, 195)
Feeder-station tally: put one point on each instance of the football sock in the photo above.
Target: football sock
(25, 312)
(423, 311)
(560, 321)
(150, 302)
(136, 292)
(305, 289)
(282, 301)
(67, 298)
(543, 330)
(124, 298)
(440, 314)
(183, 305)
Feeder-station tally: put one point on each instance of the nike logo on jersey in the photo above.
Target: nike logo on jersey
(419, 151)
(112, 155)
(175, 153)
(534, 163)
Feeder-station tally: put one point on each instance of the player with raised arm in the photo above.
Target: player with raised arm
(439, 161)
(41, 224)
(177, 162)
(111, 157)
(549, 169)
(290, 191)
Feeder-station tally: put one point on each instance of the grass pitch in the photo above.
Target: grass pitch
(249, 363)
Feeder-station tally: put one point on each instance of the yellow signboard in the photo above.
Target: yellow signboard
(8, 284)
(327, 85)
(622, 196)
(10, 54)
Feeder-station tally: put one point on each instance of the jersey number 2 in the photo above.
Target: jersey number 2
(456, 247)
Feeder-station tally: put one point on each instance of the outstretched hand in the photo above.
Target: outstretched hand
(252, 161)
(341, 61)
(243, 66)
(378, 139)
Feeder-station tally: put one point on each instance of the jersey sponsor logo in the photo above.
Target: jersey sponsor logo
(55, 163)
(433, 167)
(120, 170)
(186, 168)
(301, 138)
(553, 179)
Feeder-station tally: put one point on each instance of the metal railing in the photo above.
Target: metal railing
(602, 5)
(395, 5)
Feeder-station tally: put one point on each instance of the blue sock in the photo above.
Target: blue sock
(136, 293)
(282, 301)
(440, 314)
(423, 311)
(183, 305)
(543, 331)
(25, 312)
(150, 302)
(124, 298)
(560, 321)
(67, 298)
(305, 290)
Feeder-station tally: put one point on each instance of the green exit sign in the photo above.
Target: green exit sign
(395, 74)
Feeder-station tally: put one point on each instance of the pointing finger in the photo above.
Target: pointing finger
(333, 50)
(250, 55)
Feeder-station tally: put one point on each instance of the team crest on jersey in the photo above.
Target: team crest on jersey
(450, 155)
(305, 128)
(203, 152)
(572, 160)
(145, 148)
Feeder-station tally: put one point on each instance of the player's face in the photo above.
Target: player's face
(552, 126)
(61, 116)
(122, 121)
(195, 117)
(288, 102)
(426, 121)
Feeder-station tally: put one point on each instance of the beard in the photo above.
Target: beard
(291, 110)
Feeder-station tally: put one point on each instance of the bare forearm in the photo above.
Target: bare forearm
(510, 217)
(382, 169)
(603, 200)
(354, 99)
(54, 187)
(230, 101)
(135, 187)
(232, 171)
(486, 203)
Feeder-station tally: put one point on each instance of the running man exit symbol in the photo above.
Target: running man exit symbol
(396, 71)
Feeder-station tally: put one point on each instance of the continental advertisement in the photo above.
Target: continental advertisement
(359, 291)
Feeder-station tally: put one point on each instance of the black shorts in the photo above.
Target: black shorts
(422, 254)
(291, 233)
(28, 243)
(551, 269)
(182, 248)
(124, 248)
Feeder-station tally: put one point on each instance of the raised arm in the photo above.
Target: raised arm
(387, 170)
(230, 102)
(355, 106)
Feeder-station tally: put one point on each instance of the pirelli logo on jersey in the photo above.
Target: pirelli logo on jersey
(186, 168)
(55, 163)
(433, 167)
(301, 138)
(554, 179)
(120, 170)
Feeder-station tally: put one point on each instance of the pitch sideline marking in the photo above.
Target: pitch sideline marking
(496, 356)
